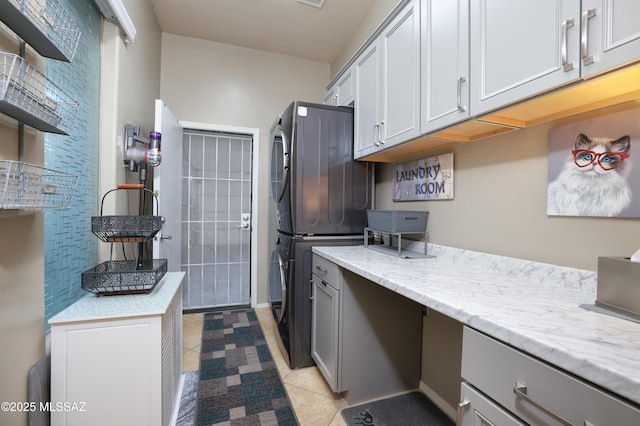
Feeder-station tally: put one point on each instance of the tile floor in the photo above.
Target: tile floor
(312, 399)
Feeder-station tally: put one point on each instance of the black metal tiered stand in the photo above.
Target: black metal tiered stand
(116, 277)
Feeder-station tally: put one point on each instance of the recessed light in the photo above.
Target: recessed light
(314, 3)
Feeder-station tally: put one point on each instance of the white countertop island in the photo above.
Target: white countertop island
(119, 358)
(92, 307)
(531, 306)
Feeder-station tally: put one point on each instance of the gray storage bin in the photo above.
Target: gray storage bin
(397, 220)
(618, 285)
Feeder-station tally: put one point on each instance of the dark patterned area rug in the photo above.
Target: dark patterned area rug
(410, 409)
(239, 383)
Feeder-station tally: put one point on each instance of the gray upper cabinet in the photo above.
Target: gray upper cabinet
(521, 48)
(610, 34)
(387, 89)
(445, 63)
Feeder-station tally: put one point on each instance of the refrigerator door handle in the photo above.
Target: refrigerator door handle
(283, 282)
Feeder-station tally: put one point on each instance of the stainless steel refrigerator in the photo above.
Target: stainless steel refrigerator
(321, 197)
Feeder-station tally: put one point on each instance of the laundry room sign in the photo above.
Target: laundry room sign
(426, 179)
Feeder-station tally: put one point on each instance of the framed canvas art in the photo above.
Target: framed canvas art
(425, 179)
(591, 167)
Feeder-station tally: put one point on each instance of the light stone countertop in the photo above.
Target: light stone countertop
(532, 306)
(92, 307)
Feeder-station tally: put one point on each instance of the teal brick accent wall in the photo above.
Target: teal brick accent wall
(69, 246)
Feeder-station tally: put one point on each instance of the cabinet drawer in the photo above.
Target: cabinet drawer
(475, 409)
(497, 370)
(327, 271)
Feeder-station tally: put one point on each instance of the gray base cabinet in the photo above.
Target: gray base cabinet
(324, 337)
(478, 410)
(533, 391)
(366, 340)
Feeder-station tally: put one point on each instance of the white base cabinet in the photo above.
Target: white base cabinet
(117, 360)
(533, 391)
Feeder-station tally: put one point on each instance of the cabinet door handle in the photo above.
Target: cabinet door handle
(586, 58)
(520, 389)
(321, 270)
(381, 132)
(462, 405)
(566, 65)
(376, 129)
(461, 108)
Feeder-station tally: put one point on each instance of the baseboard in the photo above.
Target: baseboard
(446, 408)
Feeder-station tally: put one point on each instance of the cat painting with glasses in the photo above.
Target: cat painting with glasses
(593, 181)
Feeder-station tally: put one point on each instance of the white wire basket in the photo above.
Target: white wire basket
(30, 97)
(25, 186)
(44, 24)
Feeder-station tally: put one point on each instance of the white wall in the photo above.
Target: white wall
(500, 207)
(215, 83)
(130, 83)
(378, 14)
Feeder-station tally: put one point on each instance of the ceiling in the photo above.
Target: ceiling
(281, 26)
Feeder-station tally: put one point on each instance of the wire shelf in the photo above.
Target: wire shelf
(25, 186)
(30, 97)
(45, 25)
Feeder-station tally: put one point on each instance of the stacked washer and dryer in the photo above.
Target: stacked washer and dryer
(321, 198)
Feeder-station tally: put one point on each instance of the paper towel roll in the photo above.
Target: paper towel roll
(635, 257)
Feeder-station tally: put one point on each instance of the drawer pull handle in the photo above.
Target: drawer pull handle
(520, 390)
(321, 270)
(462, 405)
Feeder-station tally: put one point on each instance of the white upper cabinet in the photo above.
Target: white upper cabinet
(331, 97)
(445, 63)
(387, 89)
(366, 124)
(520, 48)
(435, 65)
(341, 92)
(400, 48)
(610, 34)
(345, 88)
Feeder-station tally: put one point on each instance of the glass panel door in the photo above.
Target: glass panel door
(216, 212)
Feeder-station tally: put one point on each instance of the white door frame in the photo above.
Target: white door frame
(255, 132)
